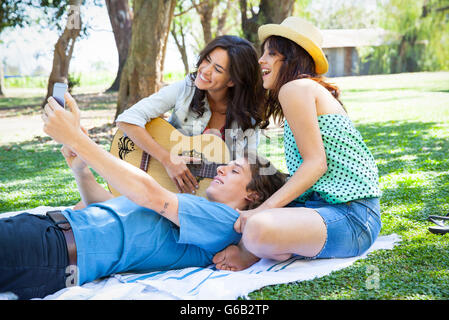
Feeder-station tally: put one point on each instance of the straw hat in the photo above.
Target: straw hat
(304, 34)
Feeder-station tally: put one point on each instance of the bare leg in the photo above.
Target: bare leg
(282, 231)
(275, 234)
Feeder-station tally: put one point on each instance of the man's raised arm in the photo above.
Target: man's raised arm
(90, 190)
(130, 181)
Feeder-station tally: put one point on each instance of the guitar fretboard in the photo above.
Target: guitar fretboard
(204, 169)
(145, 161)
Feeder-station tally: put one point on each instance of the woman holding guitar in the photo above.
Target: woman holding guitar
(225, 92)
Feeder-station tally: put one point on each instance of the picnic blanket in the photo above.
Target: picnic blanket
(206, 283)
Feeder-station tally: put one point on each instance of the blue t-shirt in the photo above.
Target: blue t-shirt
(119, 236)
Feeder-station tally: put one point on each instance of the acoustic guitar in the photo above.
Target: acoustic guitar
(211, 149)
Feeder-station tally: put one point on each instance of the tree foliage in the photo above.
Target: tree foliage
(435, 29)
(348, 14)
(15, 13)
(12, 14)
(197, 22)
(421, 40)
(182, 23)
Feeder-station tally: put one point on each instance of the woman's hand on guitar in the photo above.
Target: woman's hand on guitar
(182, 177)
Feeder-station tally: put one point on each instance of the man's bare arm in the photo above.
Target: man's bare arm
(130, 181)
(90, 190)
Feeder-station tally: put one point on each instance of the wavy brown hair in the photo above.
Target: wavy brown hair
(265, 178)
(245, 98)
(296, 64)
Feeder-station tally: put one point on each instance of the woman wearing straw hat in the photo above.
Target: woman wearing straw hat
(330, 205)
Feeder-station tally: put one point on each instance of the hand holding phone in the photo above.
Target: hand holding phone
(59, 89)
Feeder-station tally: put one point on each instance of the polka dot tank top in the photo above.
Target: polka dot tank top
(351, 174)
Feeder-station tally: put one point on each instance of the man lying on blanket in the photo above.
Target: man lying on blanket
(148, 228)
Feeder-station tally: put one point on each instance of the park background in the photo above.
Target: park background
(390, 59)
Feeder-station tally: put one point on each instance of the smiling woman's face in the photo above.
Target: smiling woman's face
(213, 72)
(270, 63)
(229, 185)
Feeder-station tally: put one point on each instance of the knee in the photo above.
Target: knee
(259, 232)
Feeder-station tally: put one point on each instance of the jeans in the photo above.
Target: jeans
(33, 256)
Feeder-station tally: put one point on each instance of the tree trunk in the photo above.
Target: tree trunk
(64, 48)
(221, 23)
(181, 44)
(178, 34)
(143, 70)
(2, 83)
(269, 12)
(399, 65)
(205, 10)
(276, 11)
(121, 20)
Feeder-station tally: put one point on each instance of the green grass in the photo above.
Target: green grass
(404, 120)
(34, 174)
(27, 82)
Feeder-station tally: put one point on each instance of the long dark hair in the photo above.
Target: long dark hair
(245, 98)
(297, 64)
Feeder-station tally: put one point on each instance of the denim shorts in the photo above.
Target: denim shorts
(352, 227)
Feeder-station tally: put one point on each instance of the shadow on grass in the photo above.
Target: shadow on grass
(12, 107)
(412, 162)
(96, 101)
(16, 102)
(406, 146)
(34, 173)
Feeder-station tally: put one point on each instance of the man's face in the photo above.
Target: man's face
(229, 185)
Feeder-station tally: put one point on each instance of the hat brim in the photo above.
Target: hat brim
(317, 54)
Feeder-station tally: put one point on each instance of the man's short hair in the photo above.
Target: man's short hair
(265, 178)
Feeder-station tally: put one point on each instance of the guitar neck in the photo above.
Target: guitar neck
(205, 169)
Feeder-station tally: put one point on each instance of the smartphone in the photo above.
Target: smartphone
(59, 89)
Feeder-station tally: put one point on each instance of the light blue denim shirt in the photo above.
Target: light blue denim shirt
(176, 97)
